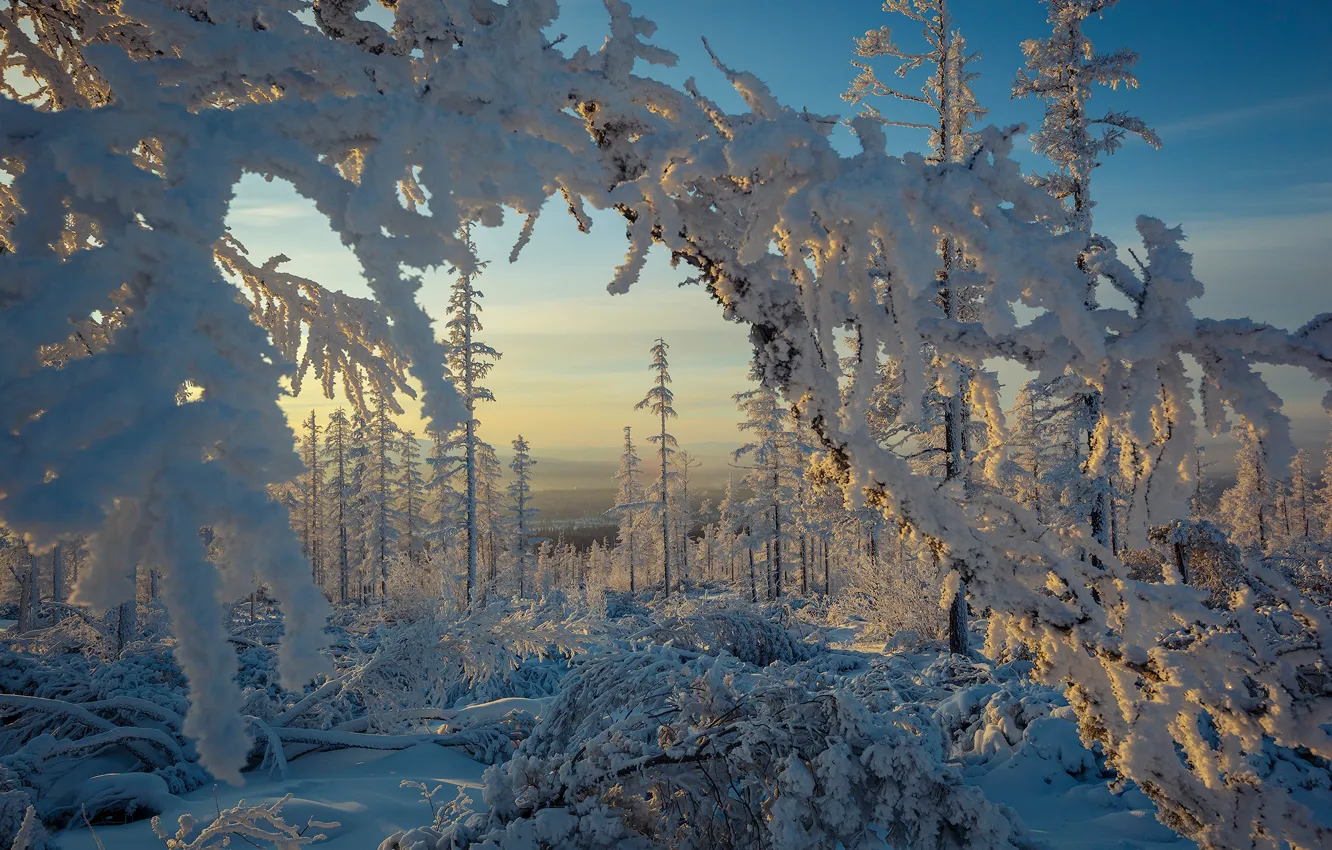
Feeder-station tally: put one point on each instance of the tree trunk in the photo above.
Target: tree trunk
(473, 533)
(954, 471)
(58, 573)
(344, 560)
(665, 509)
(126, 616)
(28, 598)
(469, 398)
(776, 536)
(1181, 563)
(827, 572)
(957, 622)
(753, 577)
(767, 569)
(804, 567)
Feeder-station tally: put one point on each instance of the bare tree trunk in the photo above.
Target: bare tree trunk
(1181, 563)
(753, 578)
(777, 536)
(827, 573)
(127, 616)
(767, 570)
(953, 439)
(29, 598)
(58, 573)
(804, 567)
(469, 398)
(957, 623)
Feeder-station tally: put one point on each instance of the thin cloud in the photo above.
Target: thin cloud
(1239, 115)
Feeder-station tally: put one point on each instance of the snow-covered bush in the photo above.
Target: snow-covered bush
(115, 798)
(749, 634)
(659, 748)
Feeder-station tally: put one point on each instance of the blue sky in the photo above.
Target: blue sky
(1241, 94)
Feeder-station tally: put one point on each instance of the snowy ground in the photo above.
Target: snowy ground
(361, 790)
(357, 788)
(1048, 778)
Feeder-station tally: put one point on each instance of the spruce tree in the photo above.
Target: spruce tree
(771, 478)
(445, 500)
(379, 487)
(947, 94)
(628, 505)
(520, 495)
(1063, 70)
(684, 512)
(411, 486)
(1249, 507)
(337, 444)
(659, 401)
(470, 361)
(359, 457)
(313, 483)
(490, 508)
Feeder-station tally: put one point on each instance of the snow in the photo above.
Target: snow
(1012, 740)
(1041, 782)
(135, 795)
(358, 788)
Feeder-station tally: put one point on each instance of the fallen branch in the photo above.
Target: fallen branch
(273, 744)
(84, 714)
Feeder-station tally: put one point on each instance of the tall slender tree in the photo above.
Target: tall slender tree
(660, 402)
(337, 443)
(359, 455)
(684, 512)
(311, 520)
(729, 522)
(771, 478)
(411, 486)
(491, 511)
(520, 495)
(30, 595)
(1325, 496)
(470, 361)
(1063, 70)
(127, 623)
(444, 496)
(58, 579)
(379, 487)
(1249, 507)
(947, 94)
(628, 505)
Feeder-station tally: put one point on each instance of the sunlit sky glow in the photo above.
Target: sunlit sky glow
(1240, 93)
